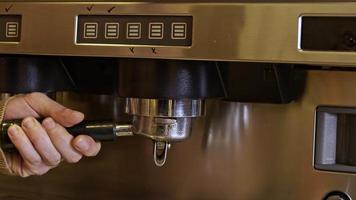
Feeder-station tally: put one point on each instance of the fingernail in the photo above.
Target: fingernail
(73, 113)
(81, 144)
(78, 114)
(13, 131)
(29, 122)
(49, 123)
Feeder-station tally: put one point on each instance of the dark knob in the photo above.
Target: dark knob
(349, 40)
(337, 195)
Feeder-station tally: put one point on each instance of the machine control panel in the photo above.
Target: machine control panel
(10, 28)
(135, 30)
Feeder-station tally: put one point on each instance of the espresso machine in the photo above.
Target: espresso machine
(212, 99)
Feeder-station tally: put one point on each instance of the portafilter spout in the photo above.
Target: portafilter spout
(164, 121)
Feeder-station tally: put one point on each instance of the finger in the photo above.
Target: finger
(61, 140)
(24, 145)
(45, 106)
(41, 141)
(18, 108)
(86, 145)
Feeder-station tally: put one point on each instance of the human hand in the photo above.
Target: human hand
(42, 147)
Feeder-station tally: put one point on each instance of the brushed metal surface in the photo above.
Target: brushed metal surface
(168, 130)
(238, 151)
(191, 1)
(165, 107)
(257, 32)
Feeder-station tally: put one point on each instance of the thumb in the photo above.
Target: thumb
(46, 107)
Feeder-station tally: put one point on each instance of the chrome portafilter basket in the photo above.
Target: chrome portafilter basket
(164, 121)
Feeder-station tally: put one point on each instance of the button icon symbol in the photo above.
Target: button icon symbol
(179, 30)
(112, 30)
(156, 30)
(133, 31)
(90, 30)
(12, 29)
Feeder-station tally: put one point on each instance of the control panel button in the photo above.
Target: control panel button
(12, 29)
(91, 30)
(133, 31)
(112, 30)
(179, 30)
(156, 30)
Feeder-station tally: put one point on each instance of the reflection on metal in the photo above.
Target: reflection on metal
(236, 121)
(123, 130)
(239, 31)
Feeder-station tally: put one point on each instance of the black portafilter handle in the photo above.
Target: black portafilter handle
(98, 130)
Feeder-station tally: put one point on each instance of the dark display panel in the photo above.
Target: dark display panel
(328, 33)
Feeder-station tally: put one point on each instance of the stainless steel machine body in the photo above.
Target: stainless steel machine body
(228, 30)
(238, 150)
